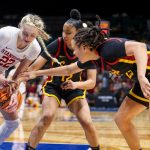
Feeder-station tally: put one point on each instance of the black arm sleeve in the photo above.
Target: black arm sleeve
(52, 49)
(87, 65)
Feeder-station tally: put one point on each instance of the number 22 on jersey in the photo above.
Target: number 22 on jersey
(6, 62)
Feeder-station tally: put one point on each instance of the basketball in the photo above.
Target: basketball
(5, 98)
(19, 97)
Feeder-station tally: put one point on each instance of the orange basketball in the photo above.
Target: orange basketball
(19, 97)
(4, 97)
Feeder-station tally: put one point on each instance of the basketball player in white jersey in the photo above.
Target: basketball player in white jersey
(18, 45)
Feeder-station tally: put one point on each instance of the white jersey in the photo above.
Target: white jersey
(9, 53)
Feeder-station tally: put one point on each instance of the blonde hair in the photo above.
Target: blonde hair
(37, 22)
(46, 51)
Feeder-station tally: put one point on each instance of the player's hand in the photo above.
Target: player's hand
(12, 84)
(145, 87)
(25, 76)
(69, 85)
(12, 107)
(13, 87)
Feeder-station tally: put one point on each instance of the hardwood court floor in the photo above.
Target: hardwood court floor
(66, 129)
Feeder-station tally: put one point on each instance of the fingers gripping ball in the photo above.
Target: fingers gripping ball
(4, 97)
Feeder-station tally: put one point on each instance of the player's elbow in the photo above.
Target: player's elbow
(93, 84)
(142, 45)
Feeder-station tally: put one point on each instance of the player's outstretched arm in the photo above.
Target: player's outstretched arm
(58, 71)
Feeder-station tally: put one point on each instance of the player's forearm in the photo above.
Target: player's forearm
(21, 68)
(38, 64)
(33, 68)
(58, 71)
(85, 85)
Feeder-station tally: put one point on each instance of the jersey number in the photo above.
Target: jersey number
(64, 78)
(5, 61)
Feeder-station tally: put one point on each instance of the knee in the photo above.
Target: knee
(118, 119)
(122, 122)
(47, 119)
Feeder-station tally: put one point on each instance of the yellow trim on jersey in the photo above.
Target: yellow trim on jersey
(45, 84)
(52, 95)
(130, 62)
(148, 67)
(78, 97)
(138, 97)
(127, 61)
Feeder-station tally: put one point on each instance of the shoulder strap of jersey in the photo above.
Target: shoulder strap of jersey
(104, 63)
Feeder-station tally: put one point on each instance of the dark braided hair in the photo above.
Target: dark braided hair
(75, 19)
(92, 37)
